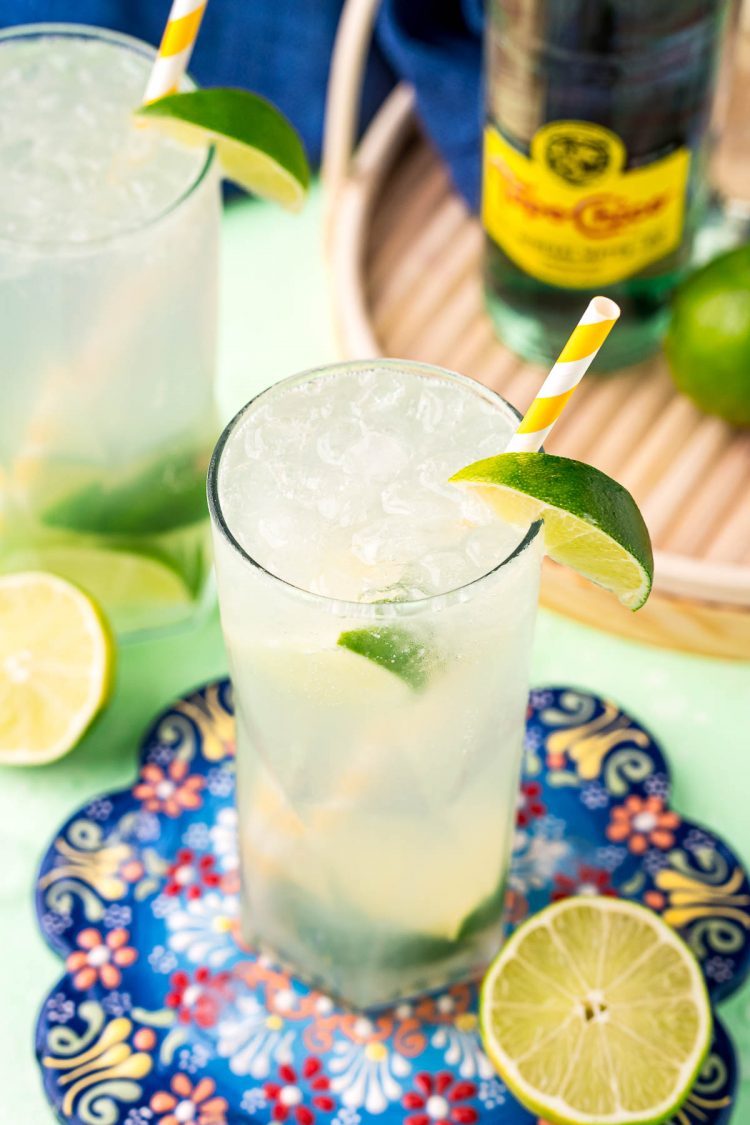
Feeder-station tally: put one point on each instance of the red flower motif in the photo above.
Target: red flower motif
(439, 1099)
(287, 1096)
(643, 822)
(169, 791)
(198, 1001)
(100, 958)
(189, 1103)
(187, 875)
(589, 881)
(529, 806)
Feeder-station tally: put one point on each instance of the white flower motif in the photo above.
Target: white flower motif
(655, 861)
(197, 836)
(55, 924)
(164, 905)
(657, 785)
(146, 826)
(220, 781)
(117, 915)
(99, 809)
(594, 796)
(699, 841)
(610, 857)
(193, 1058)
(720, 969)
(60, 1008)
(201, 929)
(366, 1073)
(117, 1003)
(459, 1042)
(254, 1099)
(347, 1116)
(550, 827)
(492, 1093)
(541, 699)
(160, 754)
(142, 1116)
(533, 738)
(224, 839)
(252, 1039)
(162, 960)
(536, 866)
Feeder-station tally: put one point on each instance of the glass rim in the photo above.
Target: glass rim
(343, 606)
(83, 31)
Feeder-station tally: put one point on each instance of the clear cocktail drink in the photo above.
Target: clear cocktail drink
(108, 262)
(378, 622)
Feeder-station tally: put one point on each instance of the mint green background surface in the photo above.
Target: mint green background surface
(275, 321)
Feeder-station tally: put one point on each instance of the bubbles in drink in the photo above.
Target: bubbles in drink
(73, 164)
(326, 489)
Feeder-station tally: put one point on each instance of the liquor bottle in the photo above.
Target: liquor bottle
(599, 124)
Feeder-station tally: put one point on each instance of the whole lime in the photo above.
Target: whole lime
(708, 342)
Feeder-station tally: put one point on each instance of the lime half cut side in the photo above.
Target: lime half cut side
(56, 662)
(591, 523)
(256, 146)
(595, 1012)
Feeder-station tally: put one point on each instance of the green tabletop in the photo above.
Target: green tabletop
(275, 321)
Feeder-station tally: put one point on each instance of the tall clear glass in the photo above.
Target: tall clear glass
(375, 816)
(108, 276)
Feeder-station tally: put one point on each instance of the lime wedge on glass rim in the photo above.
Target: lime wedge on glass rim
(595, 1012)
(591, 523)
(56, 666)
(256, 146)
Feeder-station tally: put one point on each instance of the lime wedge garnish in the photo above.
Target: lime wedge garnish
(591, 523)
(394, 648)
(257, 147)
(596, 1013)
(56, 666)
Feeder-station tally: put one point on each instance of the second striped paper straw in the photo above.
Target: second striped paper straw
(574, 361)
(175, 49)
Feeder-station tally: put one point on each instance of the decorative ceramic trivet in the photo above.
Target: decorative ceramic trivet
(162, 1018)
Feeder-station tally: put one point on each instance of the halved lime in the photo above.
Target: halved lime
(56, 666)
(591, 523)
(595, 1012)
(257, 147)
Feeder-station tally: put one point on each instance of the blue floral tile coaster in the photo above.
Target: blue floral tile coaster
(162, 1017)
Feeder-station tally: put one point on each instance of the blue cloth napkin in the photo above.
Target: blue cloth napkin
(282, 48)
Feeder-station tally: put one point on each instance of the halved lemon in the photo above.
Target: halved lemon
(56, 667)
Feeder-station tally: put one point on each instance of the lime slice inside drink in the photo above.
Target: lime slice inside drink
(256, 146)
(591, 523)
(596, 1013)
(56, 667)
(394, 648)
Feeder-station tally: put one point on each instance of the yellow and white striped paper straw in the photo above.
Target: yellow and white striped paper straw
(585, 340)
(175, 48)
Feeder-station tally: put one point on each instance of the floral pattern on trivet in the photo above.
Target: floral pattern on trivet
(164, 1018)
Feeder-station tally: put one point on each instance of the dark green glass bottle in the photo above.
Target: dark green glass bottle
(596, 149)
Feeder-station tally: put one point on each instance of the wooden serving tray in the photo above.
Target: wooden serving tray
(405, 260)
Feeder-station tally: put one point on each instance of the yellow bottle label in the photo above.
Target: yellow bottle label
(570, 215)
